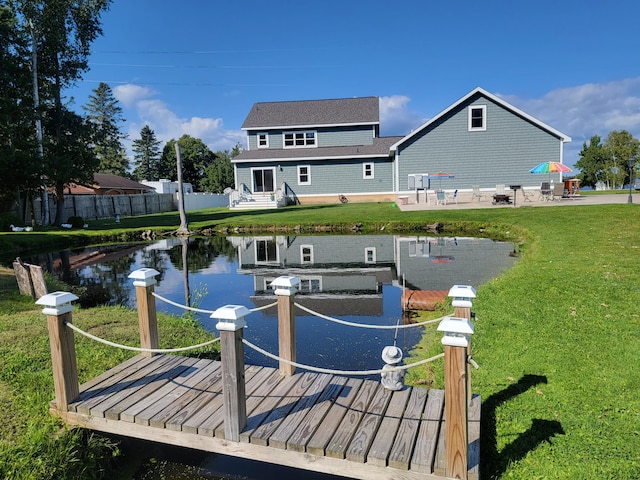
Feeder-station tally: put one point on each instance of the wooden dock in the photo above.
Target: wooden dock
(326, 423)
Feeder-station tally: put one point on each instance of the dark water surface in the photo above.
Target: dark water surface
(358, 278)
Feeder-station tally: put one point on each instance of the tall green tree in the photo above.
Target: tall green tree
(624, 151)
(592, 162)
(219, 174)
(196, 156)
(62, 31)
(17, 126)
(104, 112)
(146, 154)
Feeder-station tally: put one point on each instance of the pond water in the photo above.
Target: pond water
(358, 278)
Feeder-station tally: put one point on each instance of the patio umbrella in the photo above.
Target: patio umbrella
(440, 176)
(550, 167)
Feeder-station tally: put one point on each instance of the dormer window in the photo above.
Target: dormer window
(263, 140)
(477, 118)
(299, 139)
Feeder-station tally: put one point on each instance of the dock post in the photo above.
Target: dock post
(144, 280)
(455, 341)
(58, 308)
(462, 302)
(285, 288)
(230, 325)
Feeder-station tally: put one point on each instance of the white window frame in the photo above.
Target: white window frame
(368, 167)
(483, 109)
(308, 174)
(370, 255)
(300, 139)
(307, 282)
(302, 255)
(268, 261)
(262, 136)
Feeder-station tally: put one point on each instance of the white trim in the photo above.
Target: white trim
(251, 180)
(367, 251)
(310, 159)
(372, 170)
(302, 260)
(304, 134)
(483, 109)
(308, 174)
(268, 261)
(493, 98)
(266, 137)
(313, 126)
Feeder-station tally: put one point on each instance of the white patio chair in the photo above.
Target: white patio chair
(477, 193)
(452, 196)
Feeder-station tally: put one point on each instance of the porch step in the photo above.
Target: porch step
(251, 202)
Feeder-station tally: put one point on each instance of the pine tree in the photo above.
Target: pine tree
(146, 153)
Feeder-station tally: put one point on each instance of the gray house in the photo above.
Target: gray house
(324, 151)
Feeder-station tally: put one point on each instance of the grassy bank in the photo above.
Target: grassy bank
(557, 337)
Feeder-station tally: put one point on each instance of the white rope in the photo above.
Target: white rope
(339, 372)
(364, 325)
(200, 310)
(138, 349)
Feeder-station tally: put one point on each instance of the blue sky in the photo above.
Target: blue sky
(197, 67)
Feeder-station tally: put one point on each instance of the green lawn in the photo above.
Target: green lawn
(557, 337)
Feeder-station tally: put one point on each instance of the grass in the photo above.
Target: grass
(557, 337)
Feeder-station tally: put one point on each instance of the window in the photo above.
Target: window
(367, 170)
(306, 253)
(418, 248)
(304, 175)
(299, 139)
(266, 251)
(477, 117)
(263, 140)
(310, 285)
(370, 255)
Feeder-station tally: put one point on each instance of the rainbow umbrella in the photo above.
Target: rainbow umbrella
(550, 167)
(440, 176)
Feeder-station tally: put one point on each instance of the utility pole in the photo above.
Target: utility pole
(184, 226)
(36, 105)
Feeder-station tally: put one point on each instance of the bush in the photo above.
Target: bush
(76, 222)
(7, 220)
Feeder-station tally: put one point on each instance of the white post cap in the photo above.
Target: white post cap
(456, 331)
(231, 317)
(462, 295)
(144, 277)
(286, 285)
(57, 303)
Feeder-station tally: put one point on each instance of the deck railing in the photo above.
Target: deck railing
(457, 330)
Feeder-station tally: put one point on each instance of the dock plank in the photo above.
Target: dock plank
(473, 454)
(382, 444)
(402, 449)
(316, 415)
(424, 454)
(320, 439)
(363, 438)
(341, 439)
(262, 434)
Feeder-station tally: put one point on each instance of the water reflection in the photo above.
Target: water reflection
(358, 277)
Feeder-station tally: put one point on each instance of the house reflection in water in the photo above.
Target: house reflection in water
(344, 275)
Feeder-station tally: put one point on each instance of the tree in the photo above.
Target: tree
(592, 162)
(196, 156)
(624, 151)
(219, 174)
(63, 31)
(105, 114)
(146, 154)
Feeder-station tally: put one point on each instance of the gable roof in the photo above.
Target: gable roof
(313, 113)
(481, 92)
(108, 182)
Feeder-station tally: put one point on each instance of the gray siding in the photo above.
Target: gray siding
(331, 176)
(504, 153)
(326, 137)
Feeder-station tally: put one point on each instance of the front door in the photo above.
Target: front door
(263, 179)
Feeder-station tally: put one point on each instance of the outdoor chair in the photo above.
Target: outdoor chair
(452, 196)
(529, 195)
(477, 193)
(545, 191)
(440, 197)
(500, 189)
(558, 191)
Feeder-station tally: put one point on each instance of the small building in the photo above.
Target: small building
(167, 186)
(109, 184)
(325, 151)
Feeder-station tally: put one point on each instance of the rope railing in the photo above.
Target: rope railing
(364, 325)
(201, 310)
(138, 349)
(339, 372)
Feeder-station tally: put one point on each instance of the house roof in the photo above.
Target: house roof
(379, 149)
(313, 113)
(108, 181)
(481, 92)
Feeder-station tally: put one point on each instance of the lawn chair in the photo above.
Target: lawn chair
(440, 197)
(545, 191)
(529, 195)
(477, 193)
(558, 191)
(452, 196)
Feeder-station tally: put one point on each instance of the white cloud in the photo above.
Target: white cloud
(587, 110)
(145, 109)
(395, 116)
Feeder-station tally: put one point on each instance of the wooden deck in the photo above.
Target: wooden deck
(332, 424)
